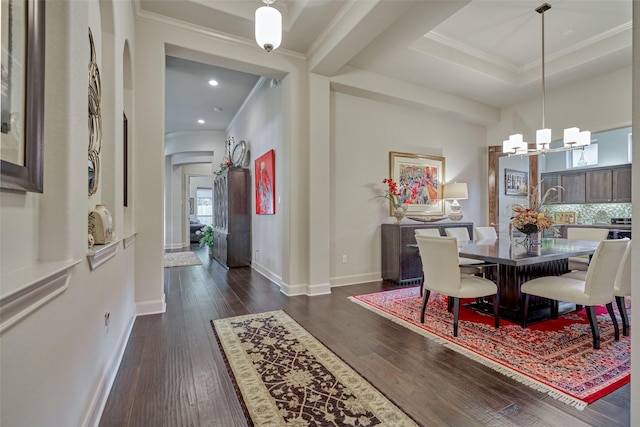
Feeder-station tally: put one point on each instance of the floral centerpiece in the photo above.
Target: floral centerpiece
(532, 219)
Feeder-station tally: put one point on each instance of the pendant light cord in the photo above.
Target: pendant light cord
(541, 10)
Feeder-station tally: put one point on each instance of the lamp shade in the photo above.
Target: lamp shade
(456, 190)
(268, 28)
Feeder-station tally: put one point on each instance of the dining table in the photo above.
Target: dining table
(517, 263)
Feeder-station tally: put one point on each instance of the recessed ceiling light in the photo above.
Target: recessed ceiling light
(213, 82)
(201, 121)
(217, 109)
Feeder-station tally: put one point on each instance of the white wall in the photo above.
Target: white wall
(56, 363)
(260, 124)
(363, 134)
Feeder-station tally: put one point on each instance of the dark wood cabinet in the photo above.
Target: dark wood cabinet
(598, 186)
(574, 187)
(232, 218)
(401, 264)
(593, 185)
(549, 180)
(621, 184)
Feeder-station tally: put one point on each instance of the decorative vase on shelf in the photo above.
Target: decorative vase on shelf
(399, 212)
(101, 225)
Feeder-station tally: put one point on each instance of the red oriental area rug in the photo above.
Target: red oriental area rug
(554, 356)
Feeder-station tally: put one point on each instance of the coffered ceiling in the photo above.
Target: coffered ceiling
(487, 51)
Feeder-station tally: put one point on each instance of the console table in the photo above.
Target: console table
(402, 264)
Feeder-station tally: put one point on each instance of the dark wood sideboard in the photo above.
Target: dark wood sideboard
(401, 264)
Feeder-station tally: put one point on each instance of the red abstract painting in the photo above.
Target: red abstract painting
(266, 183)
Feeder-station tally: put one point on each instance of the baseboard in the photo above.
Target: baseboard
(266, 273)
(151, 307)
(173, 246)
(319, 289)
(293, 290)
(355, 279)
(104, 388)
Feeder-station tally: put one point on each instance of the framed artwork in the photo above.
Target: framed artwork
(420, 179)
(516, 183)
(266, 183)
(22, 112)
(192, 208)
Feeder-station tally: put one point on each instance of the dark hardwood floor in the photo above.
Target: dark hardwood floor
(173, 374)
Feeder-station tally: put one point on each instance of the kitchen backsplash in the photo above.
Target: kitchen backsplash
(593, 213)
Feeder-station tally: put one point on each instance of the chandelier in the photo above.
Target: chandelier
(573, 137)
(268, 26)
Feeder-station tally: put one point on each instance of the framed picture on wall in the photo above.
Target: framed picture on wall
(516, 183)
(420, 179)
(192, 208)
(266, 183)
(22, 112)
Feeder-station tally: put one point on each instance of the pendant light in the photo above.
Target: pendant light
(268, 26)
(573, 137)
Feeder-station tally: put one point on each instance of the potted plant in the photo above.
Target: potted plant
(206, 238)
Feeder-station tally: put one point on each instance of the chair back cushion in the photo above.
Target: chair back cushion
(603, 269)
(460, 233)
(622, 284)
(440, 263)
(580, 233)
(485, 233)
(427, 232)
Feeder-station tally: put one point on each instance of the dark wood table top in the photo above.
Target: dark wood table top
(509, 252)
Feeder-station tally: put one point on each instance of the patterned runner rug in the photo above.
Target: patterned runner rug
(554, 356)
(285, 376)
(180, 259)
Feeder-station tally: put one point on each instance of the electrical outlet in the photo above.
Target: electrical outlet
(344, 259)
(107, 318)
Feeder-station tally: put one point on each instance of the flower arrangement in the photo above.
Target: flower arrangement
(532, 219)
(392, 193)
(207, 236)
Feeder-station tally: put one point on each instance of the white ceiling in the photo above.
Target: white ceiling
(483, 50)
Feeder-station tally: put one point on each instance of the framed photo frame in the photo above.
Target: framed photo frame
(516, 183)
(192, 207)
(22, 115)
(420, 178)
(265, 168)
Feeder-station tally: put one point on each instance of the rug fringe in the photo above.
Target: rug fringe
(517, 376)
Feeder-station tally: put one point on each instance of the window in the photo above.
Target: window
(204, 203)
(583, 157)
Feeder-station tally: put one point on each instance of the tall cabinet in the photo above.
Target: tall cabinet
(232, 218)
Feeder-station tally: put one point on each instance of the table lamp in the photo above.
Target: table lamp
(455, 191)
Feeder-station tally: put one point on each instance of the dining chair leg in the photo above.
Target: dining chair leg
(554, 309)
(421, 284)
(623, 314)
(456, 311)
(525, 309)
(595, 330)
(616, 331)
(427, 292)
(449, 304)
(496, 310)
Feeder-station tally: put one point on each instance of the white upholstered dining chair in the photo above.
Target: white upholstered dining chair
(581, 263)
(596, 288)
(427, 232)
(468, 265)
(442, 274)
(486, 233)
(622, 288)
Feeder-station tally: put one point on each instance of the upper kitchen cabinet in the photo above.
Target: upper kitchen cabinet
(574, 187)
(621, 184)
